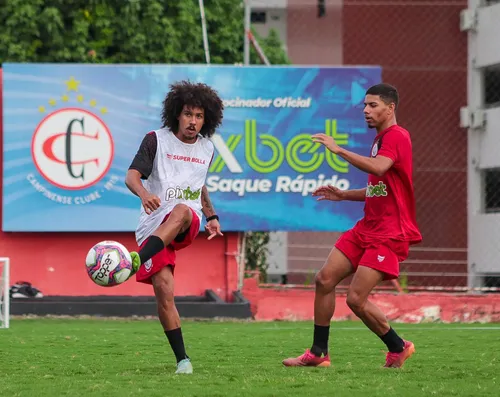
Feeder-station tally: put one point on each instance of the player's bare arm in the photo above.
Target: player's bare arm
(355, 195)
(212, 226)
(372, 165)
(333, 193)
(133, 181)
(207, 207)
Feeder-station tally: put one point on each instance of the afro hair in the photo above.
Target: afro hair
(193, 95)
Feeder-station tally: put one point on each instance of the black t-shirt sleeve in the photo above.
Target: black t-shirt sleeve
(145, 156)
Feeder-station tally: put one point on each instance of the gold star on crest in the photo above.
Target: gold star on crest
(93, 102)
(52, 102)
(72, 84)
(65, 98)
(104, 110)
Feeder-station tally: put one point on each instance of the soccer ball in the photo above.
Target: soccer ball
(108, 263)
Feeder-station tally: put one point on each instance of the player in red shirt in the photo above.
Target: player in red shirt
(375, 246)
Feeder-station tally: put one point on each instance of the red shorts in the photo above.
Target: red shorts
(166, 257)
(383, 255)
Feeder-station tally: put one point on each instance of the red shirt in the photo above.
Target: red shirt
(390, 201)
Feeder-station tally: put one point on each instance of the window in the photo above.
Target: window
(491, 282)
(492, 190)
(492, 86)
(258, 17)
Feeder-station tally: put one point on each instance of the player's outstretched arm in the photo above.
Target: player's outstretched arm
(355, 194)
(333, 193)
(372, 165)
(212, 226)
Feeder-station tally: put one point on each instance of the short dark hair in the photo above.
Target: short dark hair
(387, 93)
(193, 95)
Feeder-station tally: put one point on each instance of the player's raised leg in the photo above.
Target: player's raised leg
(336, 268)
(178, 221)
(364, 281)
(163, 286)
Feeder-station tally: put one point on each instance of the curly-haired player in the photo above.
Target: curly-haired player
(173, 162)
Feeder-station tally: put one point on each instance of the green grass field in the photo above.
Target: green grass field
(75, 357)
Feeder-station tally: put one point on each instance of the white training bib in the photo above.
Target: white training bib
(179, 172)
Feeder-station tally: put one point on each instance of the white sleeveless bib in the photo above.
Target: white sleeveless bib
(179, 172)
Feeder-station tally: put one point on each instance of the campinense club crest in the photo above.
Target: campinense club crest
(72, 147)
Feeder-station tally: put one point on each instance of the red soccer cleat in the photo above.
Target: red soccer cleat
(308, 360)
(396, 360)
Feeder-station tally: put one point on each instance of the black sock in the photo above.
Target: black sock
(151, 248)
(320, 341)
(177, 343)
(393, 342)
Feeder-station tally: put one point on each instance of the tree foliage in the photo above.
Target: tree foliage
(126, 31)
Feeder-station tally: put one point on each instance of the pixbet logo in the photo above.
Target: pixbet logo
(178, 193)
(72, 148)
(378, 190)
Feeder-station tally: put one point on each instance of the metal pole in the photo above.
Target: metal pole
(241, 260)
(475, 89)
(258, 48)
(246, 42)
(6, 292)
(204, 29)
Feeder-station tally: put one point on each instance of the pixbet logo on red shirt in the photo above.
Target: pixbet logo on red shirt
(185, 159)
(379, 190)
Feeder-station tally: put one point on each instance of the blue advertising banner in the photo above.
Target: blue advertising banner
(70, 133)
